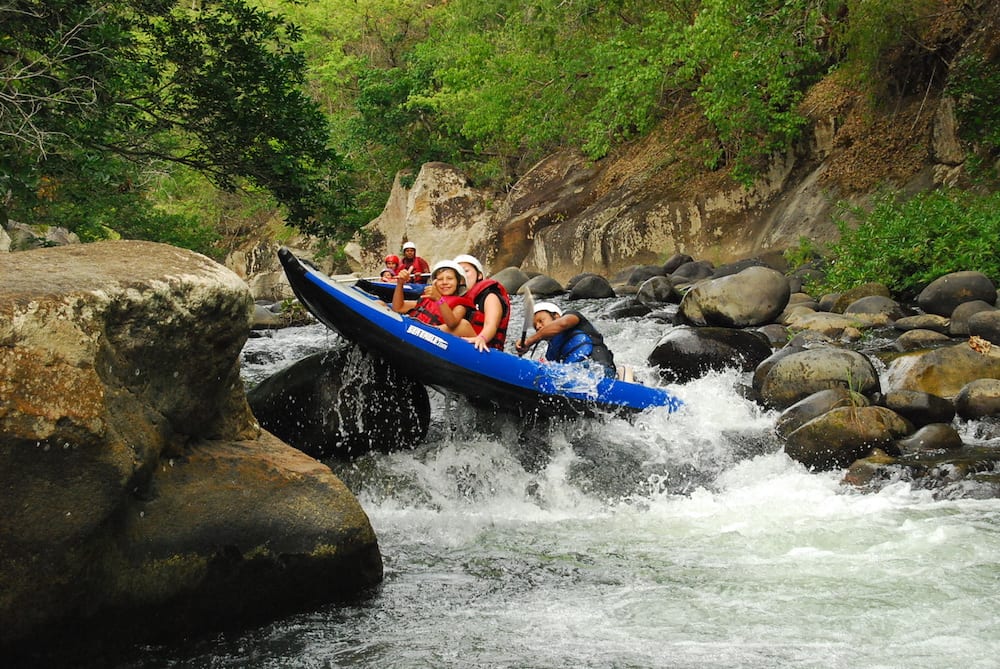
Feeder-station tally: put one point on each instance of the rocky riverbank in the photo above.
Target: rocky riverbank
(864, 382)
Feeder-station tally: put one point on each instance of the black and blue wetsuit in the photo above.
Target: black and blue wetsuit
(581, 343)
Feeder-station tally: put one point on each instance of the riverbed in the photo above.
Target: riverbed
(668, 540)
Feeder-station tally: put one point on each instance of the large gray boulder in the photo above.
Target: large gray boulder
(979, 399)
(754, 296)
(840, 436)
(139, 493)
(986, 324)
(803, 373)
(945, 293)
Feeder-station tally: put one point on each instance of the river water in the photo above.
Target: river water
(671, 540)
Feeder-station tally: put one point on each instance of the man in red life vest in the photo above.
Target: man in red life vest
(414, 264)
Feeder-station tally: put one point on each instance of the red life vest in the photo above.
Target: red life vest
(417, 267)
(477, 316)
(429, 311)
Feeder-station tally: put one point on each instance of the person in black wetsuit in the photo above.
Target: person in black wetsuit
(571, 338)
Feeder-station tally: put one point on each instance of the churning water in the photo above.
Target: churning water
(671, 540)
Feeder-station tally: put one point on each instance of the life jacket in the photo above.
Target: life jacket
(477, 316)
(581, 343)
(417, 268)
(429, 311)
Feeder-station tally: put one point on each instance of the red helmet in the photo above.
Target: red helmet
(394, 259)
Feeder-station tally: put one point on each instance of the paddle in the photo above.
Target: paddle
(372, 278)
(529, 313)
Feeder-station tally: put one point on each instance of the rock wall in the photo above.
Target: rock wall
(135, 480)
(654, 197)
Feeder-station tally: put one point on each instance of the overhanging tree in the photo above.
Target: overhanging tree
(96, 96)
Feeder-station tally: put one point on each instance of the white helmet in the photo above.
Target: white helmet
(547, 306)
(409, 245)
(448, 264)
(472, 260)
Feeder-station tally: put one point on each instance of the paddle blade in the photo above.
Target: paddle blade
(529, 313)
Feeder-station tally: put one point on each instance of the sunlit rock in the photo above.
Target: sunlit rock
(754, 296)
(119, 385)
(803, 373)
(942, 371)
(816, 405)
(979, 399)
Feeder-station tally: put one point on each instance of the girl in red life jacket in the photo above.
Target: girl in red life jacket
(491, 312)
(440, 305)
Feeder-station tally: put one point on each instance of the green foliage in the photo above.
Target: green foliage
(975, 85)
(100, 96)
(877, 35)
(907, 244)
(805, 252)
(749, 63)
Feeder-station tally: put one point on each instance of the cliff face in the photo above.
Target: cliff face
(654, 197)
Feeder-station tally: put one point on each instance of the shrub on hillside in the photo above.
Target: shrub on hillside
(907, 244)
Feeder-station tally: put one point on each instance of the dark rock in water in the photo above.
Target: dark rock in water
(342, 403)
(838, 437)
(776, 333)
(986, 324)
(632, 310)
(979, 399)
(641, 273)
(542, 286)
(816, 405)
(675, 261)
(918, 407)
(590, 287)
(942, 295)
(876, 305)
(828, 301)
(931, 437)
(512, 278)
(657, 290)
(963, 313)
(864, 290)
(736, 267)
(684, 353)
(692, 271)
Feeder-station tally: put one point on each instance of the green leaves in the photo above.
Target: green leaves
(908, 244)
(115, 91)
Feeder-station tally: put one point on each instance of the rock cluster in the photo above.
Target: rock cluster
(882, 411)
(140, 499)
